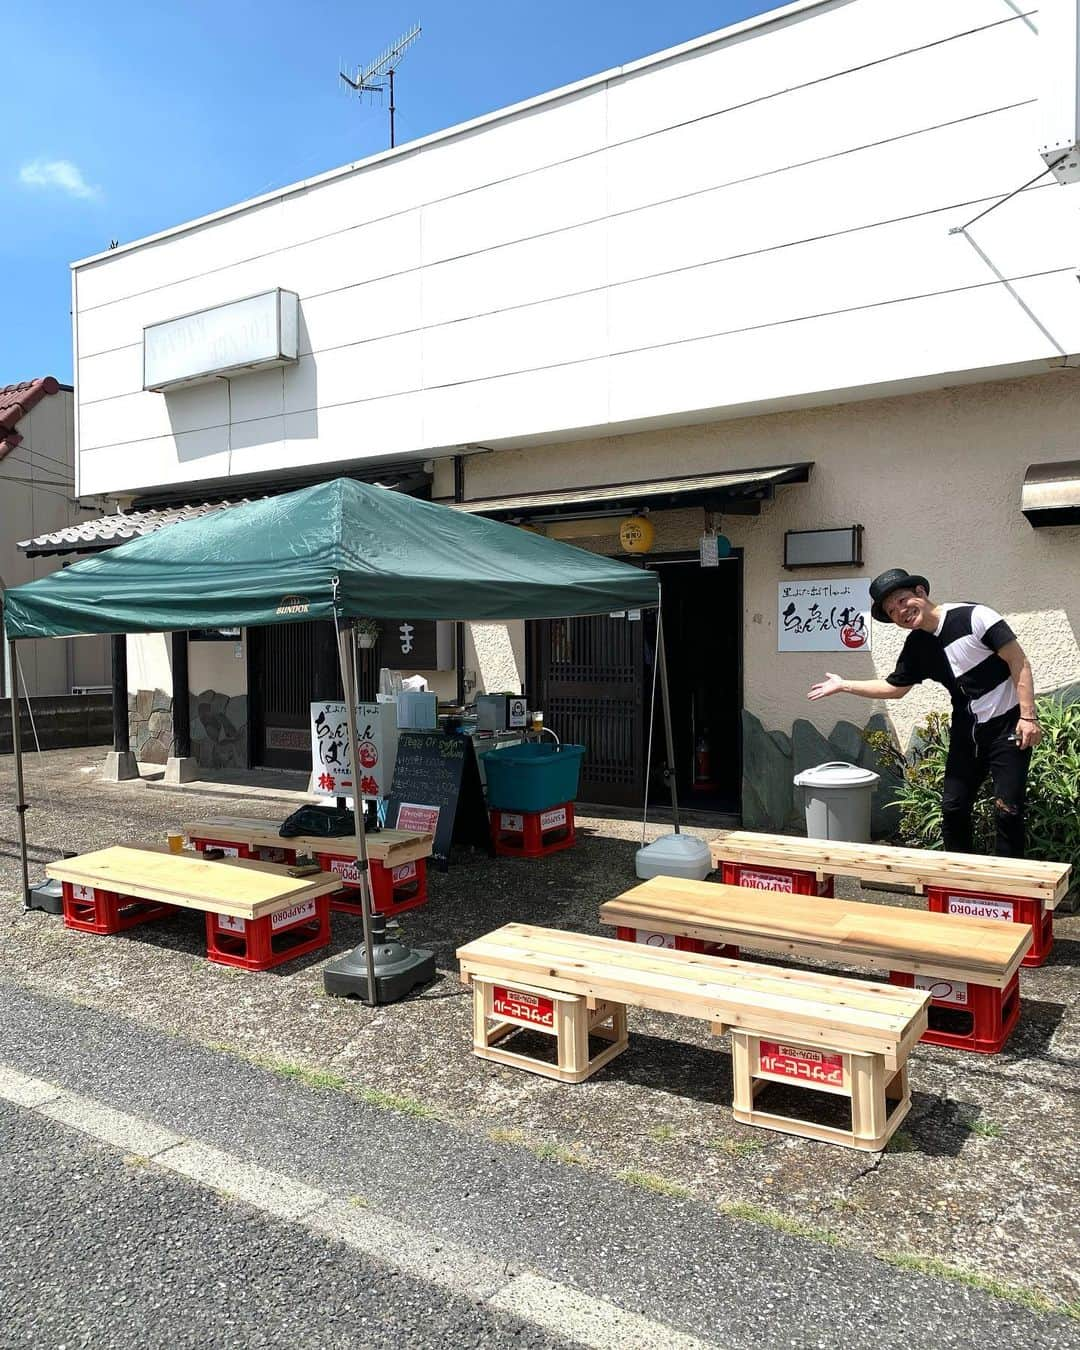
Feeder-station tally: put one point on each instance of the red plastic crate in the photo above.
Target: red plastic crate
(273, 939)
(91, 910)
(231, 849)
(1007, 908)
(393, 889)
(966, 1016)
(786, 879)
(677, 943)
(532, 834)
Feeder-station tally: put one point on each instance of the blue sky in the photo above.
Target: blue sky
(126, 118)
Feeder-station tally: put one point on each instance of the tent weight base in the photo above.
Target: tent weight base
(47, 896)
(398, 970)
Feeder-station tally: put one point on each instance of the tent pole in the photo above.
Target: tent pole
(347, 657)
(11, 675)
(666, 701)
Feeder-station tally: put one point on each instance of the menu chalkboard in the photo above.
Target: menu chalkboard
(437, 787)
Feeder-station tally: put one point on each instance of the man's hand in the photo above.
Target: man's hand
(831, 684)
(1028, 733)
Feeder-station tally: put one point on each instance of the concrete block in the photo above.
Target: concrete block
(120, 765)
(183, 769)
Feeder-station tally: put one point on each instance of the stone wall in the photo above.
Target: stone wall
(150, 725)
(219, 732)
(771, 759)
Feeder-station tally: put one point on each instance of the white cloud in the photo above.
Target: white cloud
(57, 173)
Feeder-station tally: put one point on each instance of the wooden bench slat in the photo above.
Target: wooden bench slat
(239, 887)
(1047, 881)
(389, 847)
(984, 951)
(826, 1009)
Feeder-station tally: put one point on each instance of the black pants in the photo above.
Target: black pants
(974, 753)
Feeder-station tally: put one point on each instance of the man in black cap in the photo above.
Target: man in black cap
(973, 652)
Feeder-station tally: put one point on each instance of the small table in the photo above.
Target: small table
(257, 915)
(397, 858)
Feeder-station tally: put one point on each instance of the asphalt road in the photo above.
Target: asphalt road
(99, 1251)
(102, 1251)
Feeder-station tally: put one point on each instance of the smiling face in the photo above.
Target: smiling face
(907, 607)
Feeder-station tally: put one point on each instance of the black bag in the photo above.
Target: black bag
(327, 822)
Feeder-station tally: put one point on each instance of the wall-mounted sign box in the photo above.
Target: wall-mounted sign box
(823, 548)
(257, 333)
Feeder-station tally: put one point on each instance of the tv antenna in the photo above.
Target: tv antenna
(378, 77)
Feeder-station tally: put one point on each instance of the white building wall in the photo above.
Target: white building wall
(36, 497)
(757, 220)
(933, 478)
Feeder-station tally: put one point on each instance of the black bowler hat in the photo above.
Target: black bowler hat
(895, 579)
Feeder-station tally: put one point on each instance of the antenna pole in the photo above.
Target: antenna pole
(391, 73)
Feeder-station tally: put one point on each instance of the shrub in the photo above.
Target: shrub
(1053, 796)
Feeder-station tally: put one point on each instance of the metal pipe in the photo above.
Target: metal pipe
(347, 657)
(666, 702)
(16, 747)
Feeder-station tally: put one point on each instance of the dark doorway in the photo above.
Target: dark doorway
(588, 685)
(290, 666)
(593, 680)
(703, 616)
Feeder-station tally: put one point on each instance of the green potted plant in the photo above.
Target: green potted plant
(367, 632)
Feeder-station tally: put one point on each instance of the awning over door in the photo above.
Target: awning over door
(735, 491)
(1051, 493)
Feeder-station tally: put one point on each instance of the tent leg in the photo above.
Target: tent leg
(11, 674)
(666, 701)
(347, 657)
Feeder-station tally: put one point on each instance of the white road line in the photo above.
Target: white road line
(567, 1313)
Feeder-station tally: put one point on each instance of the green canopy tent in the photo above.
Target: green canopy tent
(339, 550)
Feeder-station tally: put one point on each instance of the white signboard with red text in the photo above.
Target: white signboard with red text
(823, 616)
(377, 729)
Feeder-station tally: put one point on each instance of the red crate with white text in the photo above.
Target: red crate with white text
(789, 880)
(393, 889)
(676, 942)
(1005, 908)
(231, 849)
(92, 910)
(966, 1016)
(272, 939)
(532, 834)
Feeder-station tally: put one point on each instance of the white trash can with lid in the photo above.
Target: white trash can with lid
(837, 797)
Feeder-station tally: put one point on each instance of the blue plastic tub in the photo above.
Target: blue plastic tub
(533, 776)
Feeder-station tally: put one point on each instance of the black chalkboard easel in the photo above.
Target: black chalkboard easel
(432, 770)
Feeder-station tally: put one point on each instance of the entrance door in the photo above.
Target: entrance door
(593, 678)
(588, 684)
(703, 616)
(290, 666)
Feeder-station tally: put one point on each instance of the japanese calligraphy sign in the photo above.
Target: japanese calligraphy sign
(823, 616)
(376, 725)
(817, 1068)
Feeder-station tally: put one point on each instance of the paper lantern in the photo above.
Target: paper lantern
(636, 534)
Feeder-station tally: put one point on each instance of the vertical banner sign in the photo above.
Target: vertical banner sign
(376, 725)
(823, 616)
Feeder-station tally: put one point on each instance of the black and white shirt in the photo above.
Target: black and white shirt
(962, 654)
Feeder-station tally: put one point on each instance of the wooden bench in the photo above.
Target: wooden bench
(969, 967)
(1017, 890)
(257, 915)
(842, 1037)
(397, 858)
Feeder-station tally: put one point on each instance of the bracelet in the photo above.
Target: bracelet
(1033, 720)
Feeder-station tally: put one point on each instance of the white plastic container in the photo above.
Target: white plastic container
(417, 710)
(674, 855)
